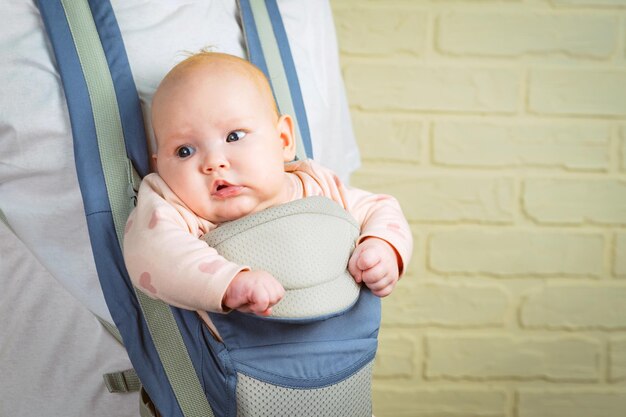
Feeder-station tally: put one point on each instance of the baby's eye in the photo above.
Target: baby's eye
(184, 151)
(235, 135)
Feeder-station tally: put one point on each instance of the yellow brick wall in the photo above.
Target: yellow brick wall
(501, 128)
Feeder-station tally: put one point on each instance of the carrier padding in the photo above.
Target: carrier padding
(350, 397)
(306, 245)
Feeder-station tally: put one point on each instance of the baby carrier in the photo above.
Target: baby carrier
(314, 356)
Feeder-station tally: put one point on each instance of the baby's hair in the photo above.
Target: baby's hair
(204, 50)
(209, 54)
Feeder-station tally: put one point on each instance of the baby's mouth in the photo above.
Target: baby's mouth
(224, 189)
(219, 185)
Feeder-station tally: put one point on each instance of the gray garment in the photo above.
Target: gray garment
(53, 351)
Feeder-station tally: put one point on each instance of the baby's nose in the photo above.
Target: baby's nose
(215, 162)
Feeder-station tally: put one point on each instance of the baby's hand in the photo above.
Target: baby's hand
(374, 262)
(253, 292)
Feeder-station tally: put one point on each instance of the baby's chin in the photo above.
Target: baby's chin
(236, 208)
(229, 215)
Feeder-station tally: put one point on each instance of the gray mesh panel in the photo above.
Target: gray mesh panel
(348, 398)
(326, 298)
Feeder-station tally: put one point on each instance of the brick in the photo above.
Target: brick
(396, 356)
(577, 92)
(574, 147)
(400, 401)
(439, 304)
(617, 359)
(622, 134)
(594, 3)
(446, 199)
(619, 261)
(571, 403)
(516, 252)
(520, 33)
(553, 359)
(392, 138)
(592, 306)
(575, 200)
(376, 31)
(381, 86)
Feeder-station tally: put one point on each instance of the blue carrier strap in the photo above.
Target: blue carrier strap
(110, 153)
(268, 49)
(107, 126)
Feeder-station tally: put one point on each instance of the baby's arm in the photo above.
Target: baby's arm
(164, 257)
(167, 261)
(385, 244)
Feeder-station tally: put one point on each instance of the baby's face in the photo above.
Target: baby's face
(221, 145)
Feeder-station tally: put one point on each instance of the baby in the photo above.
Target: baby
(223, 152)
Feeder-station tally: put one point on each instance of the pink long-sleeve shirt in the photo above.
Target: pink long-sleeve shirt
(167, 260)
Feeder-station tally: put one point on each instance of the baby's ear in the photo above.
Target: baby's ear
(285, 130)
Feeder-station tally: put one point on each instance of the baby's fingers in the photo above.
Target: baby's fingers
(379, 281)
(262, 300)
(259, 302)
(382, 287)
(385, 291)
(353, 269)
(368, 258)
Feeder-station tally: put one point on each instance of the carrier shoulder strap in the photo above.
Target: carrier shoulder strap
(268, 49)
(110, 152)
(100, 93)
